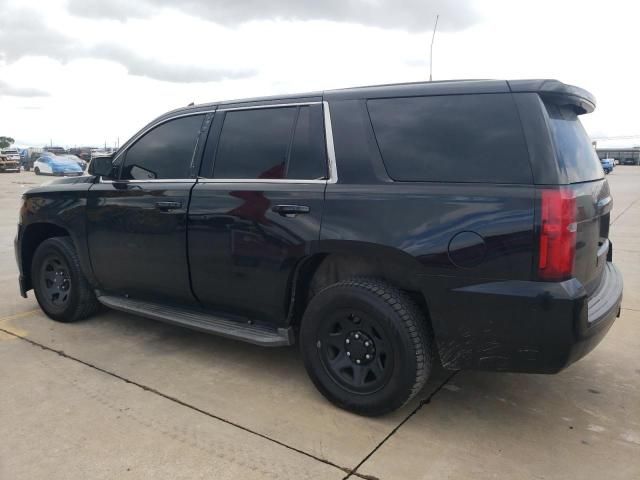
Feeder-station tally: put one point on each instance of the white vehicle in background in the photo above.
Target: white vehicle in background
(50, 164)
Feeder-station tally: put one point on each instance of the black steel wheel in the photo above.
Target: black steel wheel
(366, 345)
(55, 281)
(61, 289)
(354, 352)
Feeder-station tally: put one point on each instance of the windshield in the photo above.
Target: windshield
(573, 145)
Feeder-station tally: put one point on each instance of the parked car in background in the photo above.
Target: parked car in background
(81, 163)
(9, 164)
(608, 165)
(55, 150)
(380, 228)
(82, 152)
(49, 164)
(10, 161)
(629, 161)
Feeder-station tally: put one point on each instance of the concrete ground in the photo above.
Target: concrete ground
(118, 396)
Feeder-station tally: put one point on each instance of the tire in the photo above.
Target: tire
(36, 171)
(371, 322)
(61, 288)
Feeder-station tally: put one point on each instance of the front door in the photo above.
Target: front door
(137, 222)
(258, 210)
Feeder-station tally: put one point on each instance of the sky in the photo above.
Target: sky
(86, 72)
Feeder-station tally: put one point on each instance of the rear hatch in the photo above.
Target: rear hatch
(587, 192)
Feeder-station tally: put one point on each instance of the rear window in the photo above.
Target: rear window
(573, 146)
(452, 138)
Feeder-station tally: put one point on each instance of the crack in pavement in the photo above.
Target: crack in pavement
(176, 400)
(411, 414)
(625, 210)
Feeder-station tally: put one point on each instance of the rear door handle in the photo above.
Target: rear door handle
(290, 210)
(166, 206)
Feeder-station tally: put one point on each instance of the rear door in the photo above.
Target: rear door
(584, 173)
(137, 223)
(257, 207)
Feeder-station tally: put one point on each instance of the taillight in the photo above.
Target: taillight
(557, 234)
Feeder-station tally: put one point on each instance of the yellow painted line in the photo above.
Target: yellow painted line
(19, 315)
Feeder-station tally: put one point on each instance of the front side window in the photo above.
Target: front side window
(165, 152)
(272, 143)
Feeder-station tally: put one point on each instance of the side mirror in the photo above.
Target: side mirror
(101, 166)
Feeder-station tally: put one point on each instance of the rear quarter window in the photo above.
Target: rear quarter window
(572, 145)
(451, 138)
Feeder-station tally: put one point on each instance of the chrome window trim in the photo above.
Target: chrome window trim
(331, 154)
(274, 105)
(328, 130)
(162, 180)
(261, 180)
(331, 151)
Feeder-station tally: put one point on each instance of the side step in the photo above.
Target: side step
(204, 322)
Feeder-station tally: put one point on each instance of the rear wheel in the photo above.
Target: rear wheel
(36, 171)
(366, 346)
(61, 289)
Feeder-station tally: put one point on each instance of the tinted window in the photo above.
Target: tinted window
(307, 159)
(453, 138)
(254, 143)
(573, 145)
(272, 143)
(164, 152)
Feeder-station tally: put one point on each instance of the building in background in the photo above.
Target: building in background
(626, 156)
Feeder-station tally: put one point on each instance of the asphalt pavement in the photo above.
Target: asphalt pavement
(118, 396)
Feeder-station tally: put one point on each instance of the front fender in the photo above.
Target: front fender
(61, 204)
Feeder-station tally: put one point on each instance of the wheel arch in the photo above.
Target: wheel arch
(339, 260)
(32, 236)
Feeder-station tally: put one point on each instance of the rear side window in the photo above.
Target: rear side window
(452, 138)
(573, 146)
(165, 152)
(271, 143)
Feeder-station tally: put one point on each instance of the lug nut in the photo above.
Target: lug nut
(348, 341)
(366, 344)
(358, 362)
(357, 335)
(348, 354)
(367, 356)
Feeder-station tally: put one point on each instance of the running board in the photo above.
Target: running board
(204, 322)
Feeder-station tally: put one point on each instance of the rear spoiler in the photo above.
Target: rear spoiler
(557, 92)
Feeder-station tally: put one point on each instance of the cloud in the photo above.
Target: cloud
(19, 38)
(412, 15)
(13, 91)
(148, 67)
(111, 9)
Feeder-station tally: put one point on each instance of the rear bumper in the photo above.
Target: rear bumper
(603, 307)
(523, 326)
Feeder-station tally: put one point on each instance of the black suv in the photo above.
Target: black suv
(381, 228)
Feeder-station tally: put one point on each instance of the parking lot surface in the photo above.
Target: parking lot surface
(118, 396)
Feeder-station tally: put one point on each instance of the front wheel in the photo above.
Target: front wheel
(36, 171)
(61, 289)
(366, 346)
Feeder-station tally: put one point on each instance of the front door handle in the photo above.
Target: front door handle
(290, 210)
(166, 206)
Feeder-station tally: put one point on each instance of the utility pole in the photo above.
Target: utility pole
(433, 37)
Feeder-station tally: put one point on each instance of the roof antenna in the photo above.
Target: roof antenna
(433, 37)
(191, 104)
